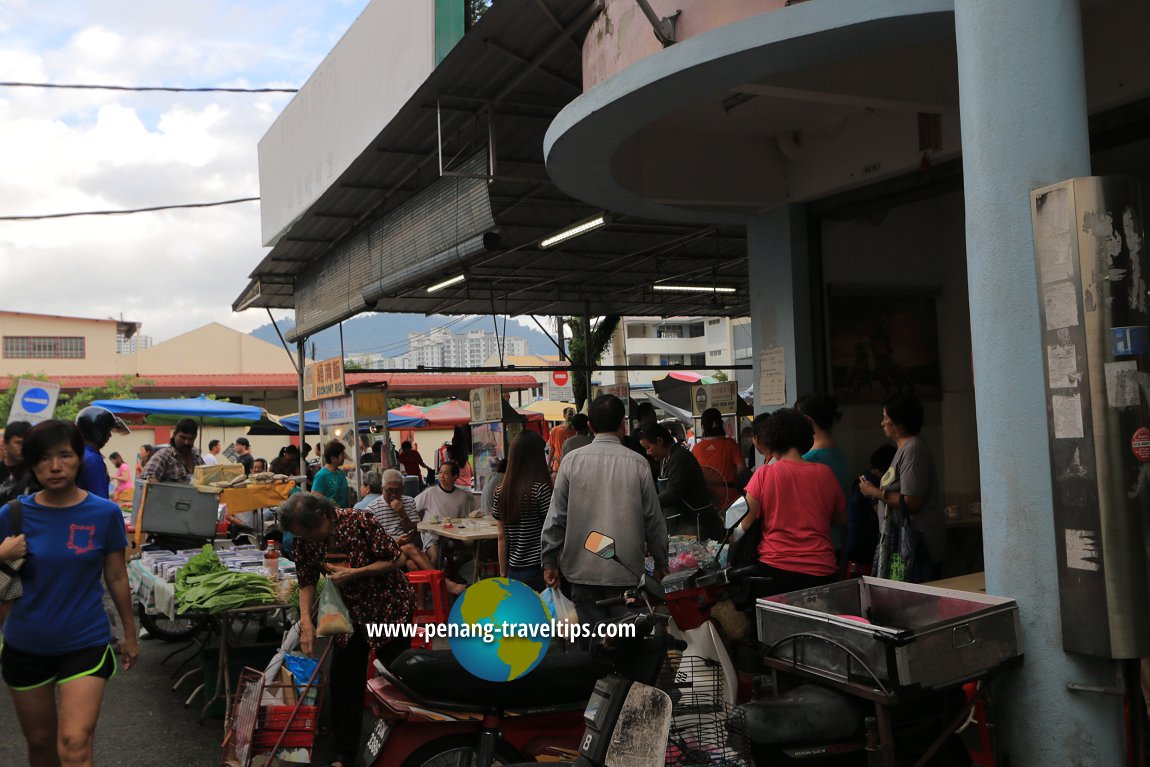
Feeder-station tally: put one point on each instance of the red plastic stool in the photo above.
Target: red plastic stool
(436, 581)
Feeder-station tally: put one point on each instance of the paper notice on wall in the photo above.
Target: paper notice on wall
(1122, 383)
(1082, 550)
(1067, 411)
(1054, 258)
(1062, 366)
(772, 376)
(1061, 303)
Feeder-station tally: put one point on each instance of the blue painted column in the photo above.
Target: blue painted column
(778, 264)
(1023, 105)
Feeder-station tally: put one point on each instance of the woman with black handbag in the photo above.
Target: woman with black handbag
(912, 544)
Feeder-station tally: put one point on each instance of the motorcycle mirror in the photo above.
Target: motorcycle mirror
(602, 546)
(652, 588)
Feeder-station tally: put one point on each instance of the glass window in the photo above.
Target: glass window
(44, 347)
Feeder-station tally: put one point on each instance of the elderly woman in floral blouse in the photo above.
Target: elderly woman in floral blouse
(355, 553)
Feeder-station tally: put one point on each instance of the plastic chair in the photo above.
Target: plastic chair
(436, 582)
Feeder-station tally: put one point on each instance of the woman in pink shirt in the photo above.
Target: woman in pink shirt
(798, 501)
(122, 477)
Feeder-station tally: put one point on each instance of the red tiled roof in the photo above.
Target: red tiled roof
(289, 381)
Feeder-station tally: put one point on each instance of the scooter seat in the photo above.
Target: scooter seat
(806, 713)
(560, 678)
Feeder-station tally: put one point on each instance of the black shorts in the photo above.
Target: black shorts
(27, 671)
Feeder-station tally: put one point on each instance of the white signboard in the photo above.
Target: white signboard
(335, 410)
(557, 387)
(357, 90)
(35, 401)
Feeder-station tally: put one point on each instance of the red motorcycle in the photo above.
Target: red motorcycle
(430, 711)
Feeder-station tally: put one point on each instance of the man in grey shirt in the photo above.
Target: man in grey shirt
(582, 438)
(603, 487)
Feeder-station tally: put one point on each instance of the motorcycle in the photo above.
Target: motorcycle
(430, 711)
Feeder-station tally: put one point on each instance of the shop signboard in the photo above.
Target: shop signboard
(487, 404)
(623, 392)
(337, 410)
(722, 396)
(323, 379)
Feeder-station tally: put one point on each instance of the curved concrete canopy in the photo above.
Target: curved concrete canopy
(785, 106)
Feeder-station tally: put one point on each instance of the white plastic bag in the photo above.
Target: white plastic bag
(561, 608)
(333, 615)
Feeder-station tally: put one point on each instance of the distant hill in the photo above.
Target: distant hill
(386, 334)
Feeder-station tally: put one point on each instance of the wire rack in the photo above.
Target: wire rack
(706, 731)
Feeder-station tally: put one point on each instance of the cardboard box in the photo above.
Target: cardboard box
(220, 472)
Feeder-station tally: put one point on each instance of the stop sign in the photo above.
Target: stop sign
(559, 377)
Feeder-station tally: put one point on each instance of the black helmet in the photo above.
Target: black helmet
(97, 425)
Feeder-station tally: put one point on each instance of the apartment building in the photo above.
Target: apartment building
(442, 348)
(704, 344)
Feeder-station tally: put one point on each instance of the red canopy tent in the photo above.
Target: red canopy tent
(457, 412)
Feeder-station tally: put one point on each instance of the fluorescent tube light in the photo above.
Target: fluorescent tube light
(446, 283)
(582, 227)
(693, 289)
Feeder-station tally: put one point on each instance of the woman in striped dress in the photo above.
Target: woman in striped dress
(520, 506)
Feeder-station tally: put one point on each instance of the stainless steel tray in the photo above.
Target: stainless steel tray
(913, 636)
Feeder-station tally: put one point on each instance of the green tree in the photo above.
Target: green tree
(601, 333)
(720, 376)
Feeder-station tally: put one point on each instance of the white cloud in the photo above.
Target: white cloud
(66, 150)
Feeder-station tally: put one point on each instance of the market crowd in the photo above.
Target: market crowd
(808, 522)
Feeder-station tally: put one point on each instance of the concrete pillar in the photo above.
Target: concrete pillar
(1023, 105)
(778, 263)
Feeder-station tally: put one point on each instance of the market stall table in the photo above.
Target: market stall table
(157, 595)
(467, 530)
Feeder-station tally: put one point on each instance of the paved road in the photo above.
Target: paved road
(142, 724)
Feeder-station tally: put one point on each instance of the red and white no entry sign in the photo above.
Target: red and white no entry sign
(560, 377)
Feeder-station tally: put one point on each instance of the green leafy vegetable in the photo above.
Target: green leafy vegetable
(205, 584)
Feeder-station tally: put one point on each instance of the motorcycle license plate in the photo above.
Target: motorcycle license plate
(376, 741)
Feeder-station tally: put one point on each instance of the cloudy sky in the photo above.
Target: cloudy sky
(68, 150)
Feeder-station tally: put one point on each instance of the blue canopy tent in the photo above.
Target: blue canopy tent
(209, 412)
(311, 422)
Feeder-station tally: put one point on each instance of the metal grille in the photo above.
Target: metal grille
(706, 731)
(434, 230)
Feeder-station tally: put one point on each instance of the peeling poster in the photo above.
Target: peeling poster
(1062, 366)
(1061, 305)
(1122, 383)
(1067, 411)
(1082, 550)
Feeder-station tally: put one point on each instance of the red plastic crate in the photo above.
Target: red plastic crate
(277, 717)
(264, 741)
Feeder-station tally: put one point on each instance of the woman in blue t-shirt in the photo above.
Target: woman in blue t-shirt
(57, 640)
